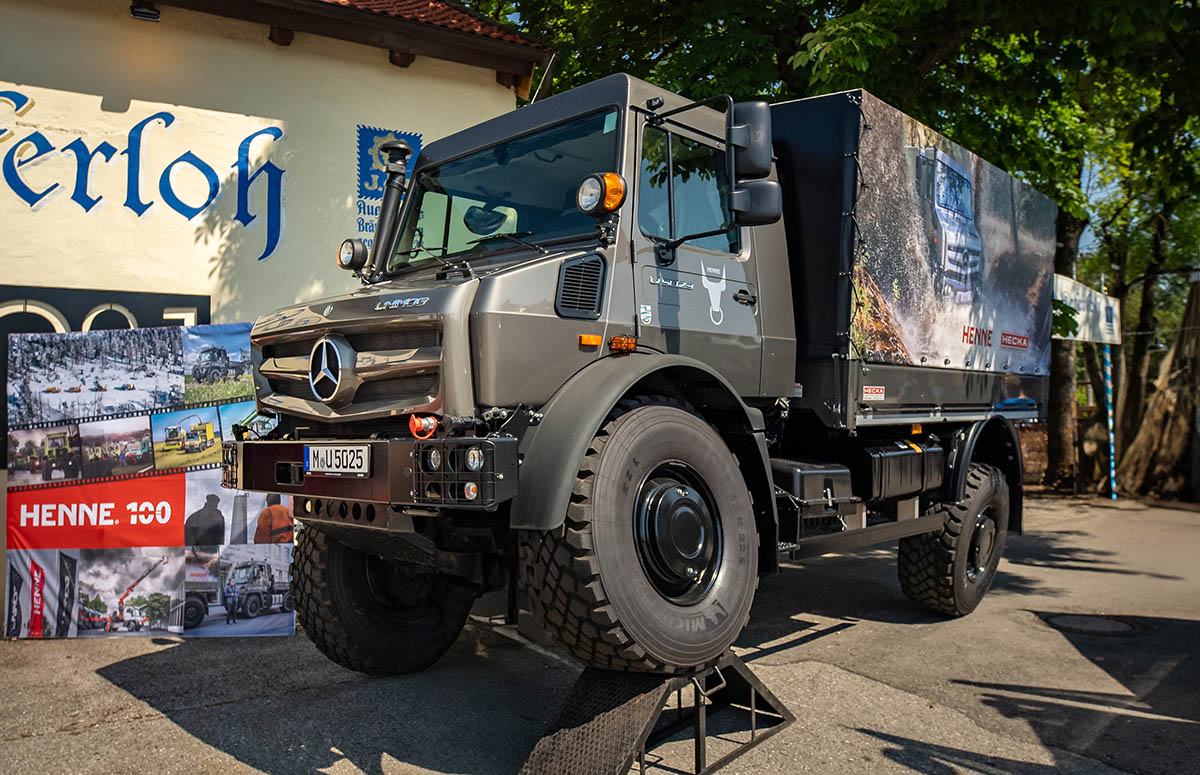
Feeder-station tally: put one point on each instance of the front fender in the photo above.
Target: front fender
(553, 450)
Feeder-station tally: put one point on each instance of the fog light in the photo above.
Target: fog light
(471, 491)
(474, 459)
(433, 460)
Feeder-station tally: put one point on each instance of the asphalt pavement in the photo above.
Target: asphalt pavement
(1083, 659)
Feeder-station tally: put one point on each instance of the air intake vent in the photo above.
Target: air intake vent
(580, 283)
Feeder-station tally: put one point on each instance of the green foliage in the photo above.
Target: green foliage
(1065, 325)
(158, 607)
(94, 603)
(137, 601)
(195, 392)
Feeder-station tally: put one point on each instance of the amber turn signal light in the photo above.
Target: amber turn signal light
(623, 344)
(600, 193)
(591, 340)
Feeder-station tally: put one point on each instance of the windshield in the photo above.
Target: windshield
(953, 191)
(241, 574)
(525, 186)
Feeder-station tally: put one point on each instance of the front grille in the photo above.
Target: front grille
(398, 370)
(368, 341)
(291, 387)
(395, 340)
(398, 388)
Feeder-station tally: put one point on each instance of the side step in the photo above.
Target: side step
(611, 719)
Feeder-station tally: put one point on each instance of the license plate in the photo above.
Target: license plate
(341, 460)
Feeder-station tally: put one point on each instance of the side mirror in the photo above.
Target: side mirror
(756, 203)
(750, 137)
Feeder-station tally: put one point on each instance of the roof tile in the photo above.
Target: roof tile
(441, 13)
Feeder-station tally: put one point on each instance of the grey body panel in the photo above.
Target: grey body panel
(523, 350)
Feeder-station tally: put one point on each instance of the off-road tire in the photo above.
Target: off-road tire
(589, 588)
(252, 607)
(193, 614)
(934, 567)
(339, 612)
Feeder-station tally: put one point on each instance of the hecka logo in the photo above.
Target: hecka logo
(1016, 341)
(411, 301)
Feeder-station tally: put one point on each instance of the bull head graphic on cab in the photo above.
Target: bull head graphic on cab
(715, 288)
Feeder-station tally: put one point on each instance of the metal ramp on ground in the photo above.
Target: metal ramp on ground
(612, 720)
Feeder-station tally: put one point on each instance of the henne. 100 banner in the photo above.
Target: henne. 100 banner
(117, 522)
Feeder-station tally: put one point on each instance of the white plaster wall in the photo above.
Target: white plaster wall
(93, 73)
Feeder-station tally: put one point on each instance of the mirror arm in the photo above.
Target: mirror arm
(664, 249)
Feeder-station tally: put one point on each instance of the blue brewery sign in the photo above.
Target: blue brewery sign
(372, 174)
(136, 199)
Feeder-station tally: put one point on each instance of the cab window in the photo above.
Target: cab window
(683, 188)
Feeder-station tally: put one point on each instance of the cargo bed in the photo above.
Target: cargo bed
(921, 274)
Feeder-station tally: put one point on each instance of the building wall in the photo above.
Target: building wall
(78, 74)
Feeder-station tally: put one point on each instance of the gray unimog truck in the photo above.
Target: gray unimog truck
(624, 351)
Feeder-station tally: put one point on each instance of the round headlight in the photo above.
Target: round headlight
(433, 460)
(352, 254)
(590, 194)
(474, 459)
(471, 491)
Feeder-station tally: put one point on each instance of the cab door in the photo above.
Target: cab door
(704, 303)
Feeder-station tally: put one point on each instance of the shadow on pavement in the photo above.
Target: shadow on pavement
(944, 760)
(1153, 726)
(279, 706)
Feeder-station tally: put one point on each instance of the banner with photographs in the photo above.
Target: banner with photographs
(117, 523)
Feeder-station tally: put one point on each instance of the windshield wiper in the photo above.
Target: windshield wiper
(511, 236)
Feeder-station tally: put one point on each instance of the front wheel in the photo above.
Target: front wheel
(656, 565)
(952, 569)
(371, 615)
(253, 607)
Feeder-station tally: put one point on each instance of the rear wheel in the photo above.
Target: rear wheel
(656, 565)
(193, 614)
(371, 615)
(951, 570)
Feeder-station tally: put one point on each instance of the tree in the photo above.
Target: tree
(158, 607)
(1161, 457)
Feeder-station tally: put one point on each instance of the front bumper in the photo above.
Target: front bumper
(398, 474)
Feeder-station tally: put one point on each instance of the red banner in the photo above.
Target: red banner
(134, 512)
(36, 604)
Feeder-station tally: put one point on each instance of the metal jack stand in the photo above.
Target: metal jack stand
(611, 719)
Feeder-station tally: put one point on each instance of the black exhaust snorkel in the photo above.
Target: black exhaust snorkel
(395, 153)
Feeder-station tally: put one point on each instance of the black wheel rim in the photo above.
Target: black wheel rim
(677, 532)
(406, 597)
(982, 546)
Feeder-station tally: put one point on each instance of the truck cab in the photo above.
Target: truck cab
(572, 367)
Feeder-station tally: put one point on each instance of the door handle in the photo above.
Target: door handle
(744, 296)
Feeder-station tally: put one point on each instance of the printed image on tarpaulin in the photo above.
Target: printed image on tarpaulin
(952, 255)
(55, 377)
(42, 585)
(240, 590)
(131, 592)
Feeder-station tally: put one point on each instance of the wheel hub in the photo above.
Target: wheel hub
(983, 541)
(677, 533)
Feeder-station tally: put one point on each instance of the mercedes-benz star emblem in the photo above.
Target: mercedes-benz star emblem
(324, 369)
(328, 309)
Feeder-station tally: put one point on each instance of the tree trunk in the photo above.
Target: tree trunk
(1161, 458)
(1095, 372)
(1060, 408)
(1133, 404)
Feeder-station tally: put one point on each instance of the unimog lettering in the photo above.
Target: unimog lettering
(528, 388)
